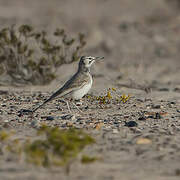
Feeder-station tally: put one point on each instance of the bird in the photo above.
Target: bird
(78, 85)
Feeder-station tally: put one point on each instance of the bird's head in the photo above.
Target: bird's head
(86, 61)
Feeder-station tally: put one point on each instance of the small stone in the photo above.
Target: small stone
(158, 116)
(135, 130)
(163, 113)
(64, 125)
(131, 124)
(156, 106)
(98, 126)
(20, 120)
(35, 124)
(6, 125)
(149, 114)
(13, 107)
(140, 100)
(69, 124)
(148, 99)
(148, 106)
(35, 101)
(69, 117)
(49, 118)
(6, 121)
(163, 89)
(172, 102)
(177, 89)
(142, 118)
(123, 27)
(143, 141)
(1, 112)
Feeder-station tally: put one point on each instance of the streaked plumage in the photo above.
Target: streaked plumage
(79, 84)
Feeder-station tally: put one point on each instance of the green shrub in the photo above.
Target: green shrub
(58, 148)
(32, 57)
(52, 147)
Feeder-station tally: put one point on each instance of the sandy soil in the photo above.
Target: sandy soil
(139, 40)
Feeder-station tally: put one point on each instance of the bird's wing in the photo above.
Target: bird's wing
(76, 82)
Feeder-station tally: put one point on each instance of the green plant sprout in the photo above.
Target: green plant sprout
(87, 159)
(110, 95)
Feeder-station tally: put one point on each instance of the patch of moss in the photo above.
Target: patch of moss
(58, 147)
(52, 146)
(87, 159)
(4, 135)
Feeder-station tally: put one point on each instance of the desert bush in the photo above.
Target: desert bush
(52, 147)
(28, 56)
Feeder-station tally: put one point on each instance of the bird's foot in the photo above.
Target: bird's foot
(78, 102)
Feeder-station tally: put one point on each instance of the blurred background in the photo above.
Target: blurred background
(139, 39)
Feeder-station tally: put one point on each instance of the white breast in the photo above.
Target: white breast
(78, 94)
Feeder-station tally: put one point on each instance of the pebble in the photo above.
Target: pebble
(140, 100)
(142, 118)
(177, 89)
(177, 172)
(6, 121)
(148, 106)
(158, 116)
(35, 124)
(131, 124)
(49, 118)
(20, 120)
(35, 101)
(158, 106)
(68, 117)
(1, 112)
(163, 89)
(6, 125)
(135, 130)
(148, 99)
(69, 124)
(123, 27)
(171, 104)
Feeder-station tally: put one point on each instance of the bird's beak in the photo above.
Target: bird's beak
(99, 58)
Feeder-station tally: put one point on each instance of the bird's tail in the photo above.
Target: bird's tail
(46, 101)
(57, 93)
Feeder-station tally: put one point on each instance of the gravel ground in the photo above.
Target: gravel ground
(139, 139)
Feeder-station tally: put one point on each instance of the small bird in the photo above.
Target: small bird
(79, 84)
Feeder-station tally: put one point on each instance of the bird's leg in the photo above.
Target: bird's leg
(74, 105)
(85, 101)
(77, 107)
(68, 107)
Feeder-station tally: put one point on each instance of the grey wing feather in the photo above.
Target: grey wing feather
(67, 88)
